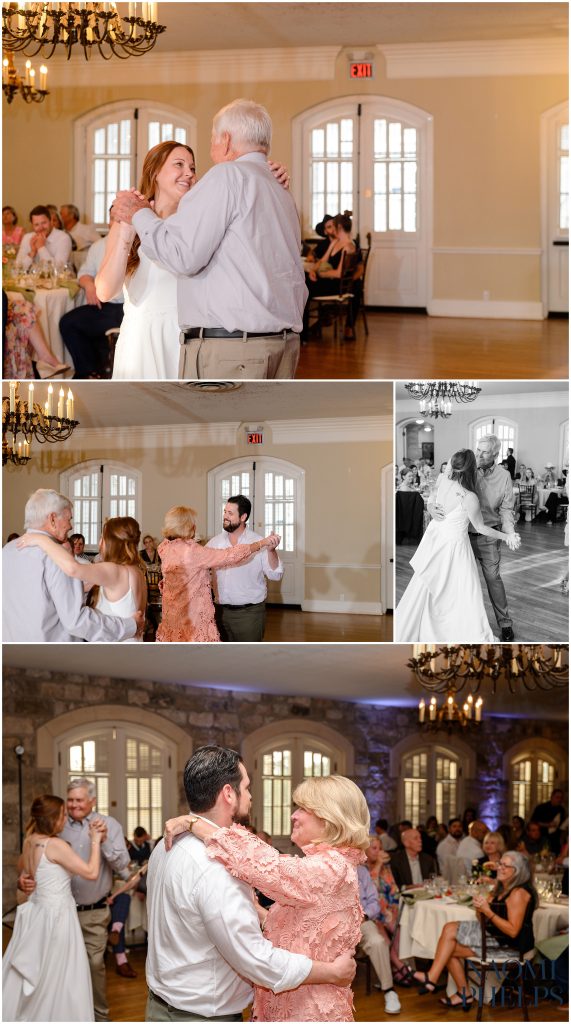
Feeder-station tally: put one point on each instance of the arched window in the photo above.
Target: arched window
(131, 766)
(99, 491)
(431, 777)
(283, 755)
(110, 146)
(506, 430)
(533, 768)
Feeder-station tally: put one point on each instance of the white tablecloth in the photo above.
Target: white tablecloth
(544, 492)
(51, 304)
(422, 924)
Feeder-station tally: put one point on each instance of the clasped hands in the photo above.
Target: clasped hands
(481, 904)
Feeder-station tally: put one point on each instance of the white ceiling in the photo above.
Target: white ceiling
(117, 403)
(368, 673)
(214, 26)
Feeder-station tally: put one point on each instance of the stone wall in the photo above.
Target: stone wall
(32, 698)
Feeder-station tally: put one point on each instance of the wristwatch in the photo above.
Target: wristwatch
(192, 822)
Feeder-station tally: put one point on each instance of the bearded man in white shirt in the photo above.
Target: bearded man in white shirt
(43, 243)
(241, 591)
(234, 243)
(205, 942)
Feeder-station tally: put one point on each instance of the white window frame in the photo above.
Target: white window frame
(495, 422)
(453, 748)
(118, 731)
(534, 749)
(141, 112)
(106, 468)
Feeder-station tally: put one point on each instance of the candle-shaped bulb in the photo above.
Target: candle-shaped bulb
(479, 704)
(30, 398)
(60, 403)
(421, 711)
(12, 396)
(43, 77)
(69, 405)
(50, 401)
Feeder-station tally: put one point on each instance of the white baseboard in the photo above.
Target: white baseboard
(344, 607)
(481, 310)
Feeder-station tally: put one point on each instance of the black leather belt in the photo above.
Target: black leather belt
(219, 332)
(94, 906)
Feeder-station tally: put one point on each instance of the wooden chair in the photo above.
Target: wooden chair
(359, 281)
(112, 335)
(528, 501)
(340, 303)
(480, 967)
(362, 958)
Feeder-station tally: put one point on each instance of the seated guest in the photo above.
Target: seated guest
(373, 942)
(84, 235)
(493, 847)
(326, 230)
(12, 233)
(551, 816)
(410, 866)
(25, 343)
(470, 848)
(378, 866)
(448, 847)
(532, 841)
(77, 541)
(509, 926)
(43, 243)
(325, 278)
(407, 481)
(83, 329)
(140, 847)
(55, 217)
(382, 831)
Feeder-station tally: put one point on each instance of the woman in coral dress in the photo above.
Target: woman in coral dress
(316, 910)
(188, 611)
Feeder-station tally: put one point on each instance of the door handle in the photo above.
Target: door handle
(561, 241)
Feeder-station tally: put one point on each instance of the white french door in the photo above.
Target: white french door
(277, 492)
(373, 155)
(98, 491)
(555, 146)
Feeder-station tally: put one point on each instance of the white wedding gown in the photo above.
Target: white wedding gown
(148, 345)
(443, 602)
(45, 970)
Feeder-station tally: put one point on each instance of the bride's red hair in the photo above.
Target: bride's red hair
(153, 163)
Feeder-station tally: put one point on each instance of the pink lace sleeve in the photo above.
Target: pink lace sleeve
(216, 558)
(288, 880)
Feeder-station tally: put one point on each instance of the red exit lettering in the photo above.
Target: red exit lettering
(361, 70)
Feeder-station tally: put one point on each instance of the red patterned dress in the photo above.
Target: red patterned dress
(317, 912)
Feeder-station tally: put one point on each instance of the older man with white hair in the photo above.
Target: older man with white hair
(41, 604)
(234, 244)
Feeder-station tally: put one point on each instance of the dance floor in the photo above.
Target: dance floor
(127, 1002)
(402, 343)
(288, 625)
(532, 576)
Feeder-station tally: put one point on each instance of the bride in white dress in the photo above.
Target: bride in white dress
(443, 602)
(119, 581)
(148, 345)
(45, 971)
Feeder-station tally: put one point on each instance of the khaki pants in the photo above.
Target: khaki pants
(158, 1009)
(264, 358)
(377, 949)
(94, 925)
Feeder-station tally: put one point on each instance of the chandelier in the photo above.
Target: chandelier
(32, 27)
(12, 83)
(440, 669)
(24, 420)
(450, 714)
(436, 396)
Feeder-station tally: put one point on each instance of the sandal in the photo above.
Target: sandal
(404, 977)
(428, 987)
(464, 1004)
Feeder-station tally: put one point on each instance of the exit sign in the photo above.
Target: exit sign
(361, 69)
(255, 438)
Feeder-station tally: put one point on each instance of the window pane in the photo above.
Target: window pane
(395, 139)
(332, 137)
(154, 133)
(99, 140)
(380, 138)
(99, 175)
(409, 139)
(124, 174)
(112, 138)
(318, 142)
(125, 144)
(180, 135)
(167, 132)
(564, 143)
(112, 175)
(332, 177)
(318, 171)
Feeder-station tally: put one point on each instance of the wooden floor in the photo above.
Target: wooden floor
(539, 609)
(127, 1002)
(402, 343)
(286, 625)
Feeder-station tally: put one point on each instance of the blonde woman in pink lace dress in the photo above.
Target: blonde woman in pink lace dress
(188, 611)
(316, 910)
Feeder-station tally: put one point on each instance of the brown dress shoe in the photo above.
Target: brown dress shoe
(125, 970)
(113, 938)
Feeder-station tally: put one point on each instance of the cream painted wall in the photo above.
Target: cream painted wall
(538, 431)
(342, 491)
(486, 189)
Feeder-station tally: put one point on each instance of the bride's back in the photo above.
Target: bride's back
(450, 495)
